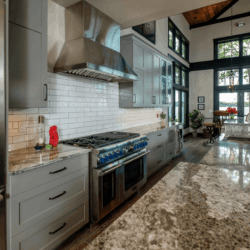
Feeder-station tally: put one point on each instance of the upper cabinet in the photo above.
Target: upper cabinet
(154, 70)
(28, 53)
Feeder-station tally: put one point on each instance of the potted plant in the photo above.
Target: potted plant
(232, 112)
(163, 117)
(196, 119)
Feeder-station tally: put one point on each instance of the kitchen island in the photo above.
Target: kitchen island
(237, 128)
(194, 206)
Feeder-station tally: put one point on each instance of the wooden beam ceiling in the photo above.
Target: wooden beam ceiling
(206, 14)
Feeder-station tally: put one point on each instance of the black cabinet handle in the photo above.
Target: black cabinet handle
(135, 98)
(171, 153)
(158, 161)
(64, 224)
(160, 135)
(60, 170)
(64, 192)
(46, 92)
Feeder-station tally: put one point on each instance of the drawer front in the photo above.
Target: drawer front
(31, 207)
(36, 177)
(155, 164)
(157, 149)
(50, 236)
(157, 136)
(169, 155)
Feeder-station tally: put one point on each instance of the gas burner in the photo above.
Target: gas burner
(101, 140)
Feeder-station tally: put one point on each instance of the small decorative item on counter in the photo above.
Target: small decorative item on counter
(232, 112)
(48, 147)
(37, 147)
(54, 137)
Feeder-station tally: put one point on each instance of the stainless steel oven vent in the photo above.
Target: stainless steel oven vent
(92, 46)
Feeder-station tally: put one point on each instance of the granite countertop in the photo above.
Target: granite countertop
(239, 121)
(23, 160)
(194, 206)
(150, 128)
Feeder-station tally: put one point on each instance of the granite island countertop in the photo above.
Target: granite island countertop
(150, 128)
(23, 160)
(194, 206)
(238, 121)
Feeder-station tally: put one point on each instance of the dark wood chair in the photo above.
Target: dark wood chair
(219, 119)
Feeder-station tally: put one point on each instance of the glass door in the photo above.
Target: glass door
(163, 90)
(228, 100)
(246, 103)
(177, 105)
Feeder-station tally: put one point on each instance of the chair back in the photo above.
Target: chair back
(220, 117)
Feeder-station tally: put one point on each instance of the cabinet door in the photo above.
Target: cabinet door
(138, 56)
(169, 86)
(148, 61)
(163, 67)
(138, 92)
(148, 85)
(156, 91)
(27, 13)
(157, 64)
(163, 91)
(26, 70)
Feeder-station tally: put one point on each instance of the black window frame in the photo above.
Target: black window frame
(183, 40)
(239, 89)
(239, 38)
(181, 88)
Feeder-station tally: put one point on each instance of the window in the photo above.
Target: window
(231, 47)
(179, 110)
(239, 98)
(177, 41)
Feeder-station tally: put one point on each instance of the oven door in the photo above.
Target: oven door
(133, 174)
(105, 190)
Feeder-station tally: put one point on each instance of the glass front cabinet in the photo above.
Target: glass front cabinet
(154, 70)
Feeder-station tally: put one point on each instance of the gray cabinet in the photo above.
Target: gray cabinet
(53, 198)
(28, 53)
(154, 85)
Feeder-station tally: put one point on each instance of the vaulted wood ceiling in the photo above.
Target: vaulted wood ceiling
(205, 14)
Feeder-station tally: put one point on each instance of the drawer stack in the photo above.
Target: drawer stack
(162, 149)
(49, 204)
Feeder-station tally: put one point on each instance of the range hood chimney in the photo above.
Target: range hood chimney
(92, 46)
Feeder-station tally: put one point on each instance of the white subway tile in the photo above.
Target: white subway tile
(53, 86)
(67, 99)
(17, 146)
(59, 115)
(68, 120)
(17, 118)
(96, 118)
(58, 104)
(75, 83)
(82, 130)
(67, 110)
(75, 115)
(83, 119)
(10, 125)
(67, 87)
(59, 81)
(76, 125)
(59, 92)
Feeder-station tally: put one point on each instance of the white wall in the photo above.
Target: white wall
(202, 49)
(162, 35)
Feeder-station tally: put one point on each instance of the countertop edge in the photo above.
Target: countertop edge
(47, 163)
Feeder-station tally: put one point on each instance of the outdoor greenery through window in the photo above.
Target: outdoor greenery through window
(225, 79)
(231, 47)
(177, 41)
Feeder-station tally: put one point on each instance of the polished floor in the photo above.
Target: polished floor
(193, 152)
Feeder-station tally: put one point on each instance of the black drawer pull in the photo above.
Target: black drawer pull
(171, 153)
(64, 192)
(60, 170)
(64, 224)
(159, 146)
(160, 135)
(159, 161)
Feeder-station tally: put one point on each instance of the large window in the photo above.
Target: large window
(237, 97)
(177, 41)
(179, 111)
(231, 47)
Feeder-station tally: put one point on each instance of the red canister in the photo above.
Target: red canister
(54, 137)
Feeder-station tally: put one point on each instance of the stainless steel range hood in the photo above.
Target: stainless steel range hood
(92, 46)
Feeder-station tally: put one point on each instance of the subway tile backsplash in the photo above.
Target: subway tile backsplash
(78, 106)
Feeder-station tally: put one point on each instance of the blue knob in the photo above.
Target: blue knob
(146, 144)
(111, 156)
(116, 154)
(134, 147)
(120, 152)
(106, 158)
(138, 145)
(141, 145)
(102, 160)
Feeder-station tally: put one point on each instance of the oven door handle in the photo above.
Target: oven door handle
(138, 157)
(111, 169)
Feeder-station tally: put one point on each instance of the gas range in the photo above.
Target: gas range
(109, 147)
(118, 168)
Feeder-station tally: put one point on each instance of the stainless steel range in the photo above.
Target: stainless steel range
(118, 168)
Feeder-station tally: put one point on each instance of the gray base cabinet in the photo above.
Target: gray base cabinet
(154, 70)
(163, 147)
(28, 53)
(46, 213)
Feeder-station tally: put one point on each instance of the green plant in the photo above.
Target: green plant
(196, 119)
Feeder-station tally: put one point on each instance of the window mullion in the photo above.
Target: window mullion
(241, 47)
